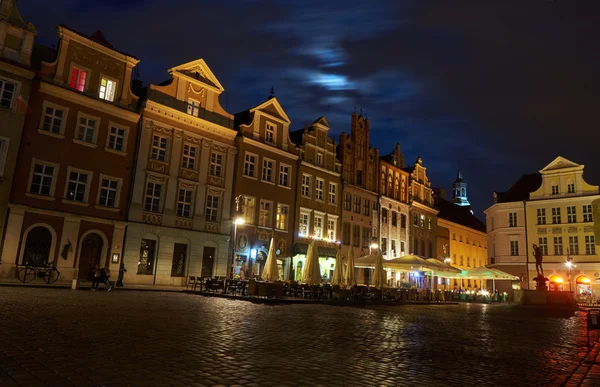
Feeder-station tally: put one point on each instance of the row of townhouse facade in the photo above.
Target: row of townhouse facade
(100, 171)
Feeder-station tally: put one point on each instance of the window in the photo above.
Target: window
(468, 261)
(216, 164)
(461, 238)
(306, 186)
(86, 131)
(267, 170)
(514, 248)
(366, 207)
(571, 214)
(7, 93)
(108, 192)
(587, 213)
(264, 214)
(76, 186)
(78, 78)
(107, 89)
(393, 252)
(384, 246)
(541, 216)
(179, 259)
(402, 247)
(147, 255)
(422, 221)
(41, 179)
(320, 159)
(366, 236)
(53, 119)
(248, 204)
(284, 175)
(320, 183)
(512, 219)
(415, 219)
(346, 233)
(331, 223)
(462, 261)
(332, 193)
(250, 165)
(355, 235)
(190, 153)
(304, 222)
(357, 204)
(282, 215)
(347, 201)
(193, 107)
(116, 138)
(159, 148)
(184, 203)
(574, 245)
(429, 223)
(394, 218)
(590, 245)
(558, 246)
(384, 215)
(212, 208)
(403, 220)
(454, 259)
(555, 189)
(467, 240)
(270, 133)
(153, 196)
(571, 188)
(556, 215)
(453, 236)
(318, 226)
(543, 245)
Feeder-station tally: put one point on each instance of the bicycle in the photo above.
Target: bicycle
(48, 273)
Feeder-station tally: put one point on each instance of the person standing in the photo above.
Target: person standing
(105, 277)
(96, 278)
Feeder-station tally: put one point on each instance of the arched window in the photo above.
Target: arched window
(463, 192)
(383, 182)
(37, 246)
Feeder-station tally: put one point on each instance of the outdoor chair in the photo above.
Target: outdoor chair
(191, 282)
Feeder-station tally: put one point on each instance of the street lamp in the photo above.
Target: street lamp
(372, 246)
(569, 265)
(238, 219)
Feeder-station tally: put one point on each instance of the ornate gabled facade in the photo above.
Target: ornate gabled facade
(423, 212)
(265, 184)
(318, 197)
(181, 200)
(16, 75)
(71, 189)
(360, 166)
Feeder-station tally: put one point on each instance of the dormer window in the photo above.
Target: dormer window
(571, 187)
(555, 189)
(107, 89)
(78, 78)
(320, 159)
(270, 133)
(193, 107)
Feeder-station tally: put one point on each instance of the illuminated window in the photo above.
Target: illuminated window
(318, 226)
(248, 204)
(107, 89)
(78, 78)
(304, 222)
(331, 226)
(282, 215)
(422, 221)
(264, 214)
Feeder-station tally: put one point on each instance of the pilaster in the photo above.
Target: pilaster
(203, 171)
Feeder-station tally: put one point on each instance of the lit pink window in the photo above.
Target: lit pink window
(77, 81)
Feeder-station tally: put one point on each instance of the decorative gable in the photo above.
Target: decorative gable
(560, 163)
(198, 72)
(273, 108)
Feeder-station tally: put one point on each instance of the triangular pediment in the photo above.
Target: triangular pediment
(560, 163)
(198, 71)
(322, 121)
(273, 108)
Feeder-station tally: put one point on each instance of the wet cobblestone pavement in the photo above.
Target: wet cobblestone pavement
(64, 338)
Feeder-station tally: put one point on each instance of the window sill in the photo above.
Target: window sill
(250, 177)
(36, 196)
(81, 204)
(280, 230)
(284, 186)
(50, 134)
(265, 227)
(117, 152)
(111, 209)
(267, 182)
(84, 143)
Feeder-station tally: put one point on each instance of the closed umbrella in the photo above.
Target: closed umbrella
(378, 275)
(308, 264)
(349, 279)
(316, 277)
(312, 273)
(271, 271)
(338, 273)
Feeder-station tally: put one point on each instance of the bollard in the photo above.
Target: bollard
(75, 283)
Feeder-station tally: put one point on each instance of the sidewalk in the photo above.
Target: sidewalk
(86, 285)
(588, 371)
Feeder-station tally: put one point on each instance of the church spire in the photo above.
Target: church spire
(459, 191)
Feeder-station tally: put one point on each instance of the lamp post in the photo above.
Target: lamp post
(372, 246)
(569, 265)
(237, 219)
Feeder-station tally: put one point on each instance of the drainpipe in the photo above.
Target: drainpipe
(526, 245)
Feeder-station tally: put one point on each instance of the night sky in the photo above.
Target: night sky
(496, 88)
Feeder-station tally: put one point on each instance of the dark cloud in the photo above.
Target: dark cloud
(497, 88)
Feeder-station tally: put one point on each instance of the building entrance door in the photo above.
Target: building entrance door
(89, 257)
(208, 260)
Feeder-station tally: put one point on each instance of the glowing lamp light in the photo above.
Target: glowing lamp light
(583, 280)
(253, 253)
(557, 280)
(374, 245)
(416, 274)
(569, 264)
(239, 221)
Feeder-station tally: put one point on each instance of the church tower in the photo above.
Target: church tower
(459, 191)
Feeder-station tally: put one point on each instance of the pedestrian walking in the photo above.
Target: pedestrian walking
(105, 277)
(96, 278)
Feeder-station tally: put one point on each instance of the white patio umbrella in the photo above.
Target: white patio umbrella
(349, 279)
(312, 273)
(338, 273)
(378, 275)
(271, 271)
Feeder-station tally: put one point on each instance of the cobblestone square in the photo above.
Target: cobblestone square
(60, 337)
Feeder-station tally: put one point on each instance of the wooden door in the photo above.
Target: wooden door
(91, 252)
(208, 260)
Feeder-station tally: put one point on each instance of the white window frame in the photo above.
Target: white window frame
(88, 117)
(318, 225)
(88, 74)
(558, 245)
(572, 214)
(215, 166)
(587, 213)
(319, 160)
(183, 204)
(4, 147)
(556, 218)
(331, 227)
(543, 244)
(514, 247)
(117, 194)
(153, 197)
(264, 168)
(332, 194)
(208, 215)
(188, 159)
(304, 223)
(272, 129)
(590, 245)
(555, 189)
(285, 170)
(63, 122)
(193, 107)
(570, 185)
(56, 167)
(541, 216)
(306, 181)
(86, 192)
(574, 244)
(245, 207)
(513, 219)
(114, 93)
(319, 188)
(159, 148)
(15, 96)
(278, 222)
(248, 163)
(261, 209)
(113, 125)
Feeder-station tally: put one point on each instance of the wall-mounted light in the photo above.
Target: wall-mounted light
(253, 253)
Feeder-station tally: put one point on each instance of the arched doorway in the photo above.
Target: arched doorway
(90, 255)
(584, 286)
(556, 283)
(37, 247)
